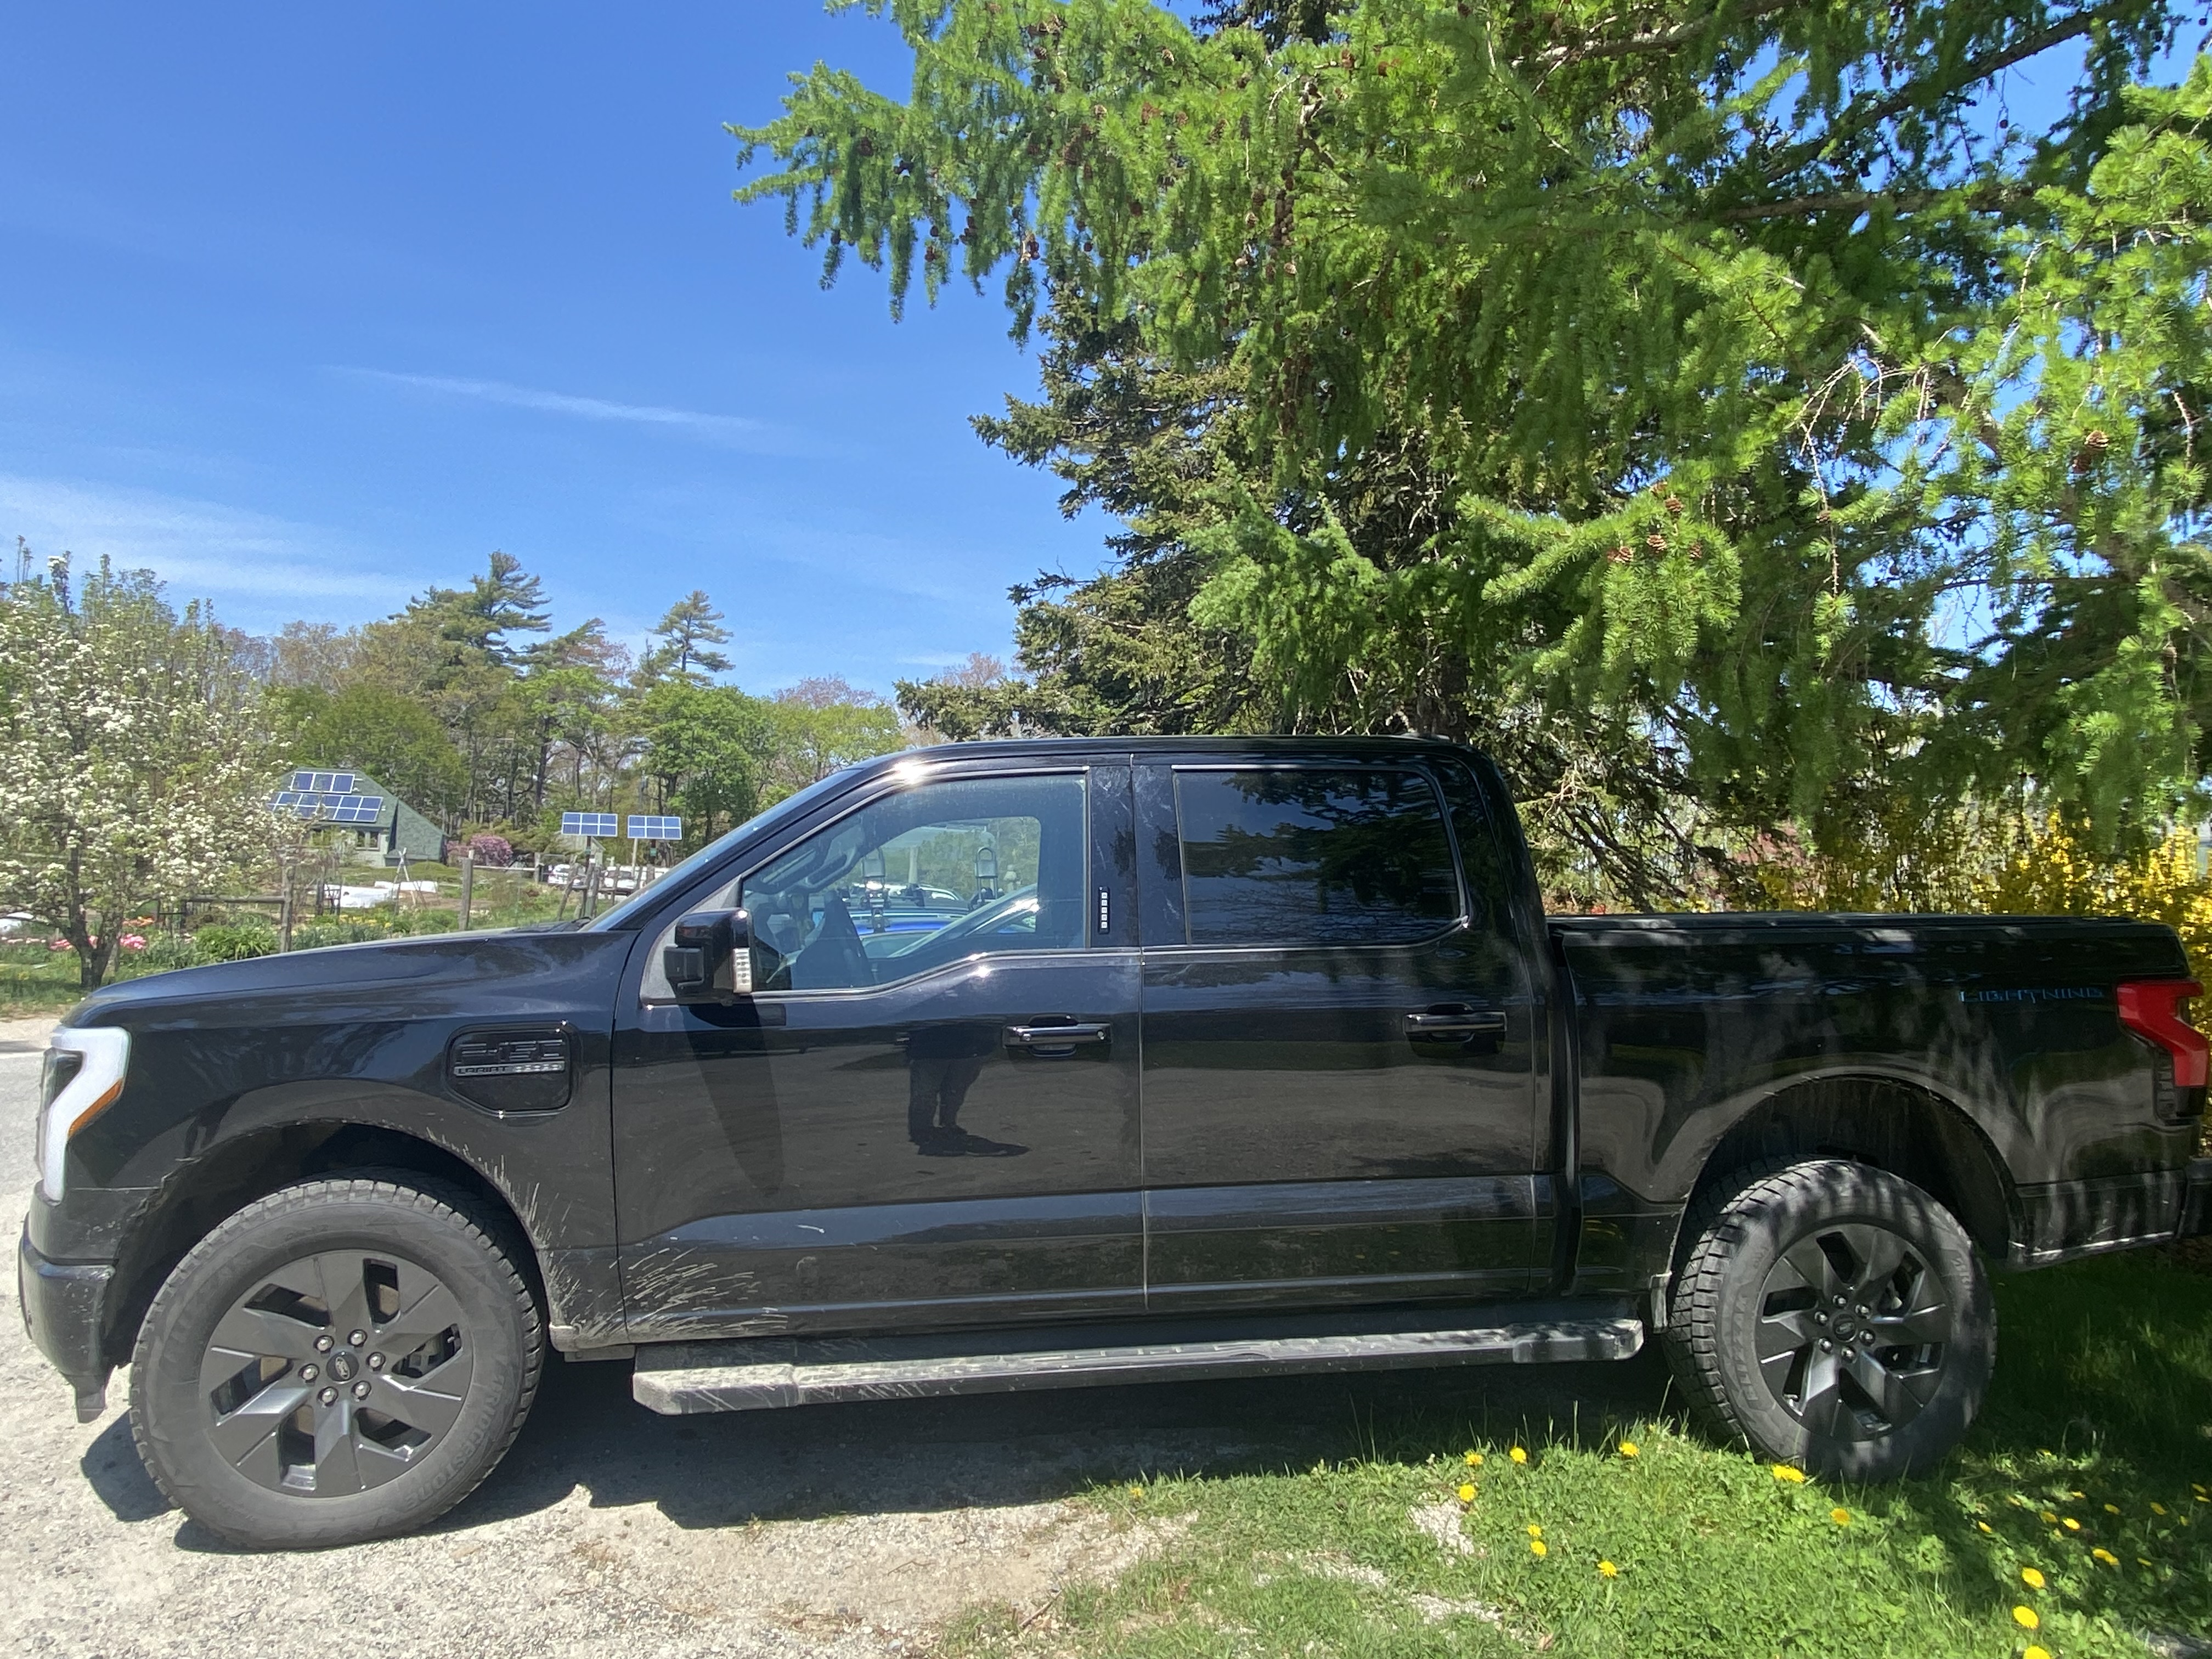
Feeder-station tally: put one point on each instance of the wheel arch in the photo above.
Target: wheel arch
(204, 1191)
(1891, 1123)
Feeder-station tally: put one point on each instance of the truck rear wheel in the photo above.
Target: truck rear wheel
(1834, 1317)
(341, 1360)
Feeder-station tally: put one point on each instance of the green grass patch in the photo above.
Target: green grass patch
(2097, 1438)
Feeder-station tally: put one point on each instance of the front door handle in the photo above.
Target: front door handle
(1055, 1039)
(1457, 1025)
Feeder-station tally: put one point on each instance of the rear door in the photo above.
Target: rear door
(928, 1115)
(1338, 1054)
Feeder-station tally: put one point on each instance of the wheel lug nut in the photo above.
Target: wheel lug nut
(360, 1390)
(1826, 1346)
(323, 1345)
(1820, 1319)
(1840, 1301)
(309, 1373)
(376, 1362)
(1862, 1313)
(328, 1397)
(354, 1338)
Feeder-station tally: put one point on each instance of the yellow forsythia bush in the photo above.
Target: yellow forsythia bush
(2046, 870)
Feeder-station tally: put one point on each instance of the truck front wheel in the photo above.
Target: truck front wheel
(1834, 1317)
(341, 1360)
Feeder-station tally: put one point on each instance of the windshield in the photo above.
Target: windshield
(625, 914)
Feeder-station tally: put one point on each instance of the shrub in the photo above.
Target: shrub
(163, 951)
(317, 935)
(495, 852)
(2048, 870)
(225, 942)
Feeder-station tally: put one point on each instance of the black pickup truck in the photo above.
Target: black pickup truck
(1017, 1066)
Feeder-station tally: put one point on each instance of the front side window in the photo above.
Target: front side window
(1292, 856)
(921, 878)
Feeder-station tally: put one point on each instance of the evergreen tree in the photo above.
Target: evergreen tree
(1704, 377)
(688, 636)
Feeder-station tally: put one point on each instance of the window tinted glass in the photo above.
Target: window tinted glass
(925, 877)
(1289, 856)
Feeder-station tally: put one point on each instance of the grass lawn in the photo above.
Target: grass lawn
(31, 985)
(2090, 1469)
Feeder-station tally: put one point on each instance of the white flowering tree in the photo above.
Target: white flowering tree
(135, 755)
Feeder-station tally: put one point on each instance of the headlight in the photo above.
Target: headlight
(84, 1076)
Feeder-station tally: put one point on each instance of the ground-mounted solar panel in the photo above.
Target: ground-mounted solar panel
(601, 825)
(645, 826)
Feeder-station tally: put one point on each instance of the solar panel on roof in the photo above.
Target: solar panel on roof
(327, 804)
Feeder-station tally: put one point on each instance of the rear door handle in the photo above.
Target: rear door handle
(1055, 1039)
(1471, 1021)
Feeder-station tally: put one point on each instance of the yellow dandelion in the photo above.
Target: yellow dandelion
(1536, 1548)
(2027, 1618)
(2112, 1509)
(2071, 1524)
(1606, 1570)
(1475, 1460)
(1535, 1531)
(1841, 1518)
(1467, 1493)
(1783, 1472)
(1518, 1456)
(2034, 1652)
(2047, 1518)
(2157, 1508)
(2106, 1556)
(2031, 1577)
(1628, 1449)
(2077, 1494)
(1987, 1528)
(1136, 1491)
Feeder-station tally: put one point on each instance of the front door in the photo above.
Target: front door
(927, 1114)
(1340, 1091)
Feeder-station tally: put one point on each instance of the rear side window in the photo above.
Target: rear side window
(1296, 856)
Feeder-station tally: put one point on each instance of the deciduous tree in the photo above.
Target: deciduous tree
(135, 757)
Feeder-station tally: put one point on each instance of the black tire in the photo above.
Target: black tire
(307, 1289)
(1832, 1315)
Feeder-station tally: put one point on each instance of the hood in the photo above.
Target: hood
(335, 968)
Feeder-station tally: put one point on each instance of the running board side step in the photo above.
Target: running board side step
(682, 1378)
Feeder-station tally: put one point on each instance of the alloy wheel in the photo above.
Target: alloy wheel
(1852, 1329)
(336, 1372)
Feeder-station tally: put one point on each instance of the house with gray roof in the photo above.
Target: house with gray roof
(384, 827)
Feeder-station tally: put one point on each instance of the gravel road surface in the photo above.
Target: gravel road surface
(828, 1530)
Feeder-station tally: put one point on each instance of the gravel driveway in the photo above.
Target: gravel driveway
(832, 1529)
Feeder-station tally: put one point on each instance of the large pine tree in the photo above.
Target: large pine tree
(1723, 381)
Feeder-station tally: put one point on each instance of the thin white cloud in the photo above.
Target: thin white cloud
(735, 429)
(201, 549)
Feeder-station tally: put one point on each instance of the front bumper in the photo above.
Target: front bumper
(62, 1302)
(2197, 1201)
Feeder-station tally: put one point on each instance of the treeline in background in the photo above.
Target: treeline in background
(140, 744)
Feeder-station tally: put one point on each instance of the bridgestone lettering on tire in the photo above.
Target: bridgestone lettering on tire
(1833, 1315)
(342, 1360)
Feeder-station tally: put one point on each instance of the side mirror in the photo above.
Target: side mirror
(711, 957)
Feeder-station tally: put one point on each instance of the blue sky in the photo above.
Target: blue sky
(306, 307)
